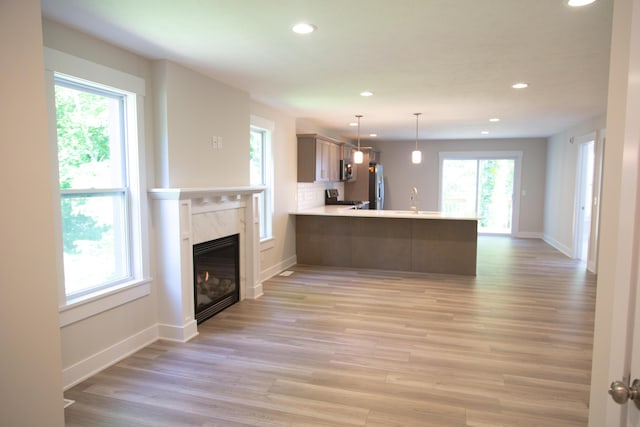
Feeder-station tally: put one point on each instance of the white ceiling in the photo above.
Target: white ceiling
(452, 60)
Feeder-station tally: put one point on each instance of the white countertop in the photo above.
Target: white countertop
(341, 210)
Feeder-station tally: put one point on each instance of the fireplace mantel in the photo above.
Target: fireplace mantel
(202, 193)
(183, 217)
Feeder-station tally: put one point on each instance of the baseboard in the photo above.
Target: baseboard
(90, 366)
(528, 235)
(277, 268)
(559, 246)
(178, 333)
(255, 292)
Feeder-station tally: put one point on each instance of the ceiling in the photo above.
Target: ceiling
(453, 61)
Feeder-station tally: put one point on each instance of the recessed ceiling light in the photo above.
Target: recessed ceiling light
(578, 3)
(373, 135)
(494, 119)
(366, 93)
(303, 28)
(520, 85)
(485, 132)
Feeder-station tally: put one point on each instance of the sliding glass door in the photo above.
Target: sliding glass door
(480, 187)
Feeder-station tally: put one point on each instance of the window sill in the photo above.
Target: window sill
(89, 305)
(267, 243)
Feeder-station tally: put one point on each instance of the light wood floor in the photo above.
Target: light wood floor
(326, 346)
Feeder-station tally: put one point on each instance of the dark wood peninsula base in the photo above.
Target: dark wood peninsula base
(447, 246)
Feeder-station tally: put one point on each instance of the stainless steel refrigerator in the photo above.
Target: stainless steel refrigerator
(376, 186)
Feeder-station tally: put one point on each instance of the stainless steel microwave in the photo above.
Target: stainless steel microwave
(346, 171)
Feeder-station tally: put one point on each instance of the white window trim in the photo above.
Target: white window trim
(75, 309)
(268, 243)
(269, 126)
(105, 299)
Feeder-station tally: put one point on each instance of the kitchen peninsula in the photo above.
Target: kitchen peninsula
(428, 242)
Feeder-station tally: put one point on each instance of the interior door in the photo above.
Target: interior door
(626, 390)
(616, 344)
(633, 409)
(616, 355)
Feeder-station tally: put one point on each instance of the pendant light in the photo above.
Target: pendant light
(358, 156)
(416, 155)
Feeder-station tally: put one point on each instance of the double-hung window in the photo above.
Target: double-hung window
(261, 172)
(97, 132)
(94, 185)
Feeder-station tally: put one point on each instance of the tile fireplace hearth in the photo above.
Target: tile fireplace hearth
(183, 218)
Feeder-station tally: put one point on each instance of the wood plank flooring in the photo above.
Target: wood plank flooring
(339, 347)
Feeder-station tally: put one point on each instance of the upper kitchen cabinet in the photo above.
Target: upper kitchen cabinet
(348, 151)
(318, 158)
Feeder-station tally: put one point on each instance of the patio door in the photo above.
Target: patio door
(481, 185)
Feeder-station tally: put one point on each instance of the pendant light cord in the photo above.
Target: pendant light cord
(359, 116)
(417, 117)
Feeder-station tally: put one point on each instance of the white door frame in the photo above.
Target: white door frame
(619, 224)
(579, 210)
(592, 264)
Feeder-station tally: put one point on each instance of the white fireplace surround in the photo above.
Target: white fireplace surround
(183, 217)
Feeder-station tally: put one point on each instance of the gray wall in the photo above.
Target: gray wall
(31, 381)
(560, 192)
(401, 174)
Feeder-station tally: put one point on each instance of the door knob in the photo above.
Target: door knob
(621, 392)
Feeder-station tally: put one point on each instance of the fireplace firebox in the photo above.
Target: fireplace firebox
(216, 276)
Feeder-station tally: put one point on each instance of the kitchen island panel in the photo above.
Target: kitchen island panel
(444, 246)
(321, 240)
(433, 245)
(381, 243)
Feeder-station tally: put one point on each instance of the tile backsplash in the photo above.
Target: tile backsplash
(311, 194)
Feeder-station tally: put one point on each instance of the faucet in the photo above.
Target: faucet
(413, 197)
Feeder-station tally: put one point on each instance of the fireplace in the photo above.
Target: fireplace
(185, 217)
(216, 276)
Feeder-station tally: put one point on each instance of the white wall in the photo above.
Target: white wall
(560, 192)
(30, 378)
(192, 108)
(401, 174)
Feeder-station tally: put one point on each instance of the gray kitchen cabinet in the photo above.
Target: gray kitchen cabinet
(318, 158)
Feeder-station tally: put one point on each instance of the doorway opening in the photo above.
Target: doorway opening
(584, 199)
(482, 186)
